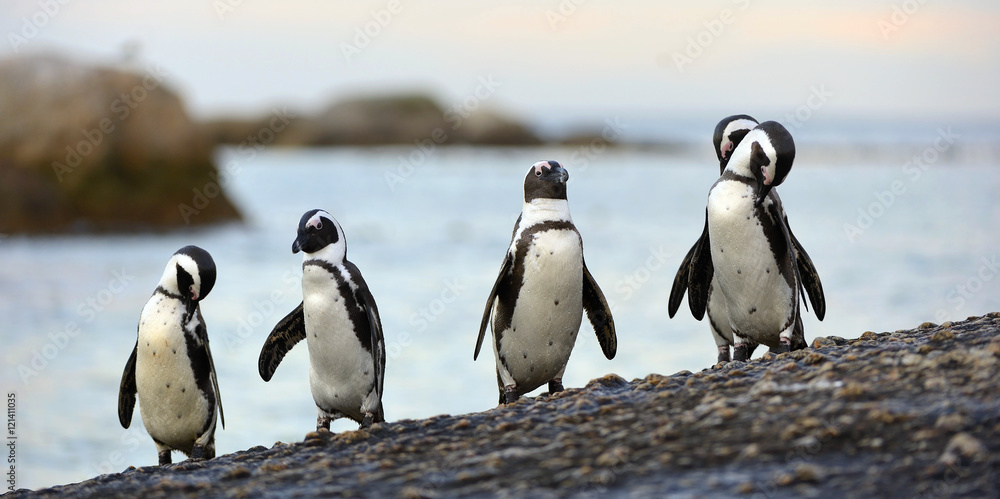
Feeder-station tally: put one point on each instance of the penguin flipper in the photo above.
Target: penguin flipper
(599, 314)
(126, 391)
(508, 264)
(680, 285)
(700, 273)
(809, 277)
(378, 345)
(289, 331)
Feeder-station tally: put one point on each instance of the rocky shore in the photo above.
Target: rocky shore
(910, 413)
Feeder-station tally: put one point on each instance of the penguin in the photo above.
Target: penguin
(748, 252)
(171, 368)
(543, 288)
(727, 135)
(339, 320)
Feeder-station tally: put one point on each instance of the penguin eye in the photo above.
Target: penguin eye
(538, 173)
(319, 225)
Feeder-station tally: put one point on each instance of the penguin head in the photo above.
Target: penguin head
(728, 134)
(765, 154)
(545, 180)
(319, 231)
(189, 273)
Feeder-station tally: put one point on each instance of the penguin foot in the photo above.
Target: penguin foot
(724, 354)
(555, 386)
(164, 457)
(785, 346)
(367, 421)
(510, 394)
(198, 452)
(323, 423)
(741, 352)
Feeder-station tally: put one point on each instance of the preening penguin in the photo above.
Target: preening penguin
(537, 302)
(750, 255)
(728, 135)
(171, 368)
(339, 320)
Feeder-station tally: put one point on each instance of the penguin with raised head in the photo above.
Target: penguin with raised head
(171, 368)
(538, 299)
(727, 136)
(748, 252)
(339, 320)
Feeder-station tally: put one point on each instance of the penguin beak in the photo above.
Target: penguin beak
(558, 175)
(760, 194)
(297, 243)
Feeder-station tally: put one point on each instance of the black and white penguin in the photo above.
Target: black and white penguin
(339, 320)
(727, 136)
(171, 366)
(749, 254)
(543, 288)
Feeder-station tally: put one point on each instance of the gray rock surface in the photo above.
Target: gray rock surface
(912, 413)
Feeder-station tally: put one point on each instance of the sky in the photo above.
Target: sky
(546, 60)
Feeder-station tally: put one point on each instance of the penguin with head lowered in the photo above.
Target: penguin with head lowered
(537, 302)
(171, 368)
(748, 254)
(727, 136)
(339, 320)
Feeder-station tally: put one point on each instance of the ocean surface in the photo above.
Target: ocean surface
(896, 243)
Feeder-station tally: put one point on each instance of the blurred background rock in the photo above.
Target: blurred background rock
(91, 148)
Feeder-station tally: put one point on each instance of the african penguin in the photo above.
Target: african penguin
(727, 136)
(538, 299)
(171, 366)
(339, 320)
(751, 255)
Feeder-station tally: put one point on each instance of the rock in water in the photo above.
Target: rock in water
(88, 148)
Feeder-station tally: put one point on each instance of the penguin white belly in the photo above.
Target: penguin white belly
(758, 299)
(341, 373)
(548, 311)
(173, 408)
(718, 315)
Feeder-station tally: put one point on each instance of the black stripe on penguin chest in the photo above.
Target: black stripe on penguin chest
(355, 311)
(510, 288)
(198, 357)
